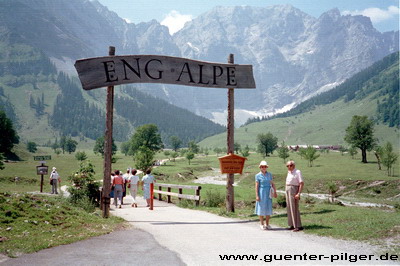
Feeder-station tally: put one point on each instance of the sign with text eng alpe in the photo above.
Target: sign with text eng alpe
(115, 70)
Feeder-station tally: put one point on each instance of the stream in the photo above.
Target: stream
(220, 179)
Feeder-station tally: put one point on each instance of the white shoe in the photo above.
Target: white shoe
(262, 227)
(268, 227)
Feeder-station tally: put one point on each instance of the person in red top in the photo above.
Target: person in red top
(118, 184)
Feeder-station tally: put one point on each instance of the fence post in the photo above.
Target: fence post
(169, 196)
(180, 192)
(198, 194)
(159, 194)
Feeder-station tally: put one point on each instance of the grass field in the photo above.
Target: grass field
(325, 125)
(356, 182)
(31, 222)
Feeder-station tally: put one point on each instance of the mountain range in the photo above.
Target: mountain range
(323, 119)
(294, 55)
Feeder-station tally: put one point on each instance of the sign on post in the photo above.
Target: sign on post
(42, 158)
(42, 169)
(112, 70)
(231, 164)
(115, 70)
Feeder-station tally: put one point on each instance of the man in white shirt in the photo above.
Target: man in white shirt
(294, 186)
(54, 180)
(126, 177)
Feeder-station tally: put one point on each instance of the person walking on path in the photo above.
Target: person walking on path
(294, 186)
(54, 180)
(133, 186)
(118, 184)
(265, 190)
(146, 181)
(126, 177)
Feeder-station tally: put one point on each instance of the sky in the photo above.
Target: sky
(384, 14)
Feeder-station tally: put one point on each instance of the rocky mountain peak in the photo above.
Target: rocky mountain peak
(294, 55)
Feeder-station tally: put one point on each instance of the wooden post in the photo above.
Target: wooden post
(108, 146)
(41, 181)
(198, 194)
(230, 196)
(159, 194)
(180, 191)
(151, 196)
(169, 196)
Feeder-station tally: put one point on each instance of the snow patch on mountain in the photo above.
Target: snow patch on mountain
(242, 115)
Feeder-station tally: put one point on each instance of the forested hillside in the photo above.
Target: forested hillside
(141, 108)
(381, 78)
(72, 115)
(75, 116)
(23, 67)
(45, 104)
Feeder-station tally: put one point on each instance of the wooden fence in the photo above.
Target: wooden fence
(180, 195)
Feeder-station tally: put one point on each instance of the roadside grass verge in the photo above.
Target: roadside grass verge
(31, 222)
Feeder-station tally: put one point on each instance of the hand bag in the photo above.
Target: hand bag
(271, 193)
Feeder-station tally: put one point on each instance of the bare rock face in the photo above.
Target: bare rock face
(294, 55)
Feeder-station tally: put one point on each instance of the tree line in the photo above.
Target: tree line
(359, 135)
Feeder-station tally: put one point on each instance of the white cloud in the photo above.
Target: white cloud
(175, 21)
(376, 14)
(127, 20)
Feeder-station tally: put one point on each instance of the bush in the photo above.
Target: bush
(281, 201)
(214, 199)
(85, 189)
(86, 204)
(185, 203)
(397, 207)
(80, 156)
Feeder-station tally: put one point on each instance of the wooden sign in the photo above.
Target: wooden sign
(42, 169)
(231, 164)
(42, 158)
(115, 70)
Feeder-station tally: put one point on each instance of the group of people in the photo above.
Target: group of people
(130, 180)
(264, 187)
(266, 190)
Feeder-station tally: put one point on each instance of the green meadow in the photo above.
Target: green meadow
(325, 125)
(357, 182)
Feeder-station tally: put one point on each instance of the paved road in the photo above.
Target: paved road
(200, 238)
(170, 235)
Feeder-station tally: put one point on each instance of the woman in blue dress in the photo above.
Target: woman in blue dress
(264, 195)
